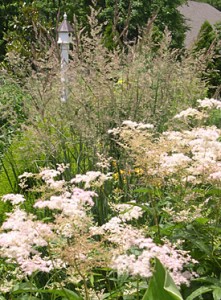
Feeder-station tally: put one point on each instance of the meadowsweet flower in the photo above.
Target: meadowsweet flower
(21, 237)
(172, 163)
(128, 211)
(6, 286)
(189, 112)
(71, 204)
(47, 174)
(209, 103)
(135, 125)
(92, 178)
(13, 198)
(141, 265)
(188, 215)
(23, 179)
(55, 184)
(191, 179)
(104, 162)
(26, 175)
(118, 233)
(62, 167)
(215, 176)
(211, 133)
(35, 263)
(141, 126)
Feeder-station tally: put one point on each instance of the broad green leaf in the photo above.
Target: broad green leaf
(68, 294)
(202, 220)
(217, 293)
(162, 286)
(200, 291)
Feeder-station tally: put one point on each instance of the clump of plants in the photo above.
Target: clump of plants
(81, 260)
(146, 82)
(179, 180)
(84, 238)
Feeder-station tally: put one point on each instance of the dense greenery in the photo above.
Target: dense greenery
(208, 42)
(125, 20)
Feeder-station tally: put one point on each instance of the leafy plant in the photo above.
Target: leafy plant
(161, 285)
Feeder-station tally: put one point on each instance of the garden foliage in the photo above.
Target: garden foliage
(115, 193)
(55, 241)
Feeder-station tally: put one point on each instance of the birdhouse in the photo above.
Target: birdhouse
(64, 39)
(65, 32)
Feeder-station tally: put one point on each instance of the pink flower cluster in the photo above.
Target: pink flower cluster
(124, 237)
(91, 178)
(48, 176)
(70, 204)
(128, 212)
(23, 236)
(199, 112)
(203, 158)
(14, 198)
(141, 265)
(20, 238)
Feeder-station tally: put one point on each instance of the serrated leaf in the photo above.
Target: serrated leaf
(162, 286)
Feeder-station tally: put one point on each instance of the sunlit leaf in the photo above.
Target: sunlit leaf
(162, 286)
(217, 293)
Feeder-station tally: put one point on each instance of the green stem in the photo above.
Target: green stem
(84, 281)
(138, 289)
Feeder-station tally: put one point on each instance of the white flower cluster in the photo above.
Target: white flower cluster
(103, 162)
(70, 204)
(203, 158)
(13, 198)
(128, 212)
(126, 237)
(20, 239)
(197, 113)
(135, 125)
(209, 103)
(92, 178)
(189, 112)
(141, 265)
(172, 163)
(48, 176)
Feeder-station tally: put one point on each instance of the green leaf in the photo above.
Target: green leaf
(200, 291)
(213, 281)
(28, 297)
(217, 293)
(162, 286)
(143, 190)
(67, 294)
(202, 220)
